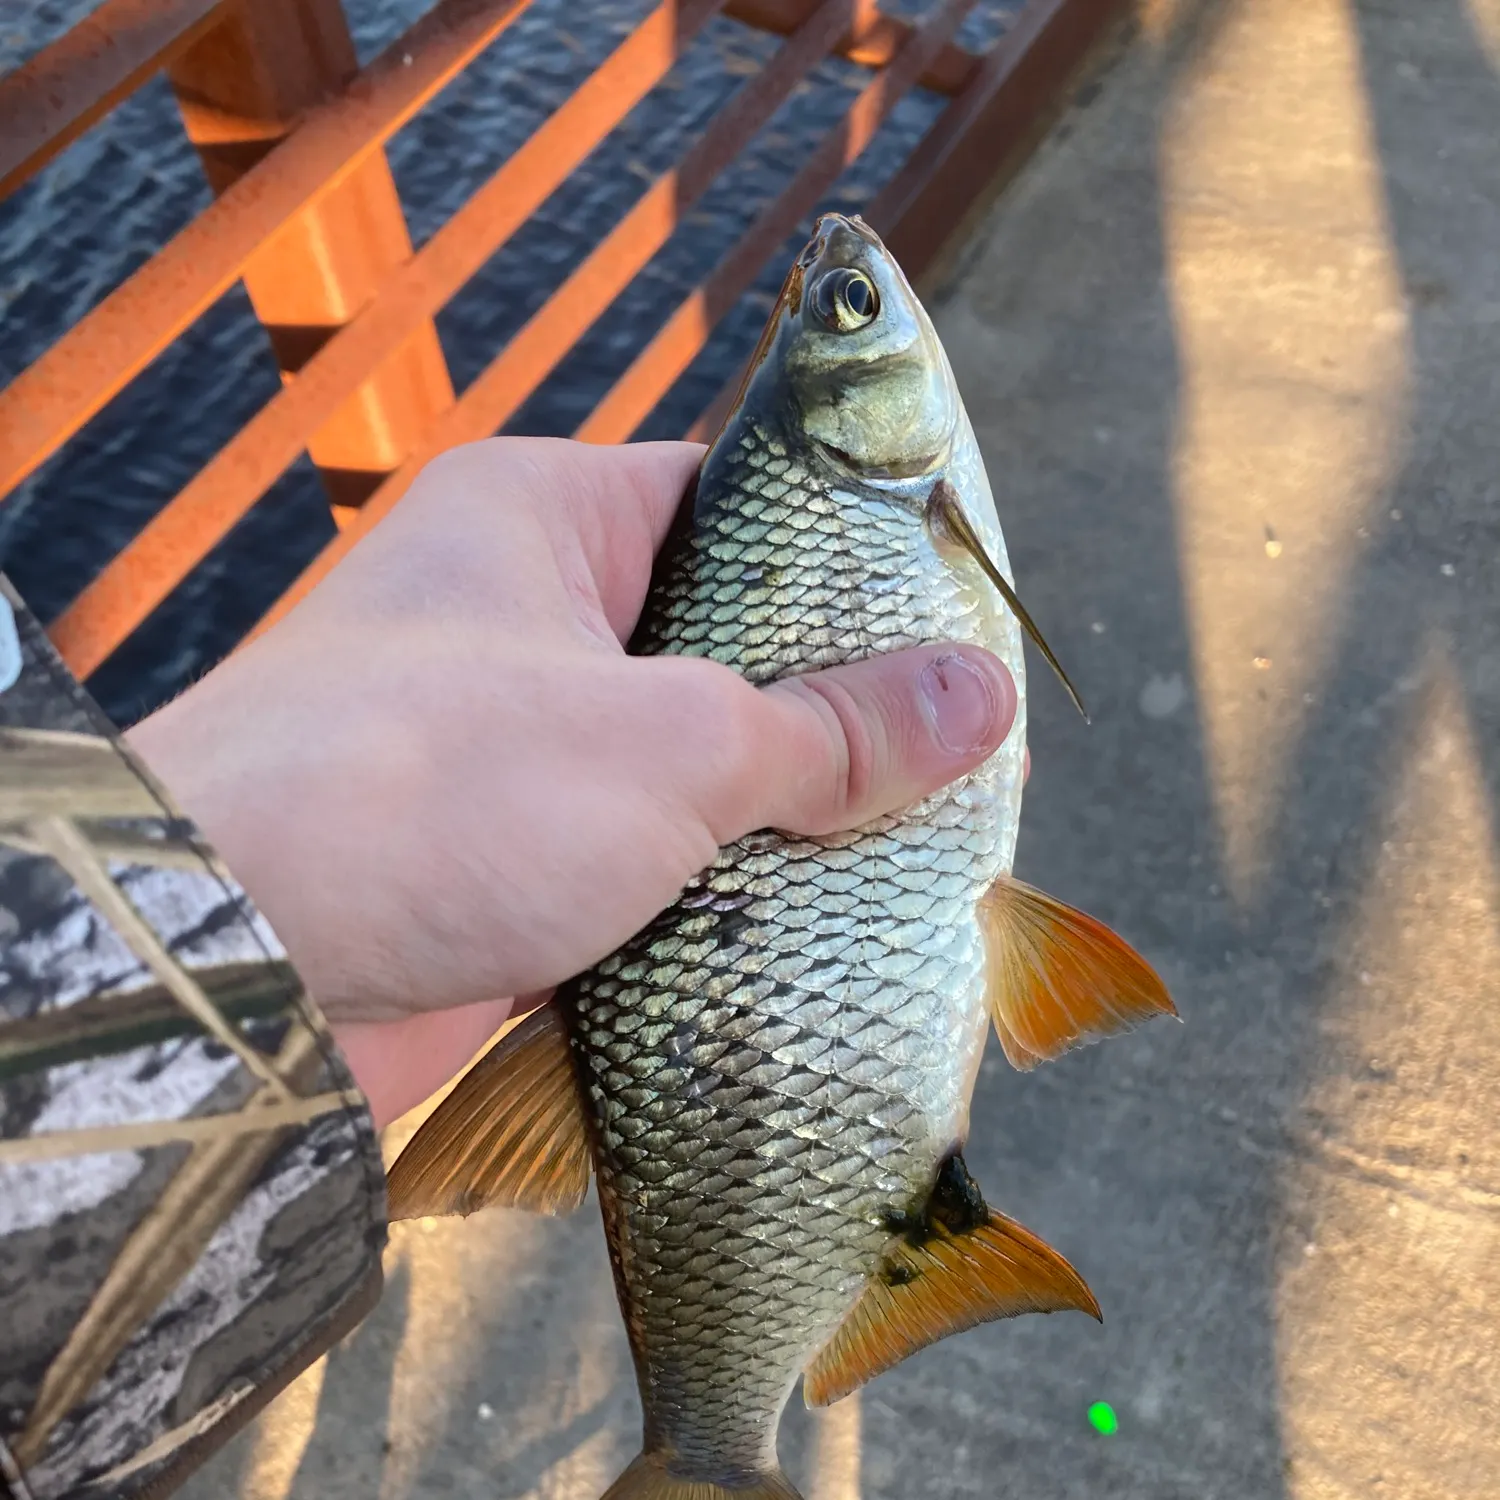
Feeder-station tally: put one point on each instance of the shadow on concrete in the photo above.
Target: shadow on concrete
(1434, 103)
(351, 1437)
(536, 1394)
(1127, 1156)
(1385, 903)
(1190, 1172)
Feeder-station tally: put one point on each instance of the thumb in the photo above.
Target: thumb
(833, 749)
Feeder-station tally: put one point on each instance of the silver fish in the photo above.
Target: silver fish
(772, 1080)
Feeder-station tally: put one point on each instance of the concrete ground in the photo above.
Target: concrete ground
(1231, 344)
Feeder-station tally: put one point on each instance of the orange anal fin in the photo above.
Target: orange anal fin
(512, 1133)
(964, 1265)
(1057, 978)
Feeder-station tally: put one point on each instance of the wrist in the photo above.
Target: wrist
(267, 805)
(249, 811)
(397, 1064)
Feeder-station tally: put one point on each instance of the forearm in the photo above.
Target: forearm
(191, 1195)
(267, 778)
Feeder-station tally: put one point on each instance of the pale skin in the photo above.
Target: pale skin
(448, 787)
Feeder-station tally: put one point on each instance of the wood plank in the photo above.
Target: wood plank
(980, 139)
(48, 102)
(635, 394)
(139, 577)
(240, 89)
(481, 408)
(873, 39)
(46, 404)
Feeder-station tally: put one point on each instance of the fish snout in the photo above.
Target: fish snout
(840, 240)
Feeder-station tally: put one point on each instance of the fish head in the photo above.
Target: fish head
(850, 370)
(855, 361)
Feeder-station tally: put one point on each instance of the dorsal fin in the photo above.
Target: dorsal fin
(512, 1133)
(1057, 978)
(960, 1264)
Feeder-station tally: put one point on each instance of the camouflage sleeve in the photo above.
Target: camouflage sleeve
(192, 1205)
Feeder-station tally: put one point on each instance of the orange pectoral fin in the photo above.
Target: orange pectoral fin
(512, 1133)
(1058, 978)
(954, 1275)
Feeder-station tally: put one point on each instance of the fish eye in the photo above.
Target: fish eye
(845, 300)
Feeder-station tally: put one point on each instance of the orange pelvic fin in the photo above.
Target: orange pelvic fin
(648, 1479)
(512, 1134)
(1058, 978)
(958, 1265)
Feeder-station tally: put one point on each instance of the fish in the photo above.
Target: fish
(770, 1083)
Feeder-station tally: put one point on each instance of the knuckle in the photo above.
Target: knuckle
(855, 744)
(845, 750)
(460, 461)
(714, 736)
(713, 719)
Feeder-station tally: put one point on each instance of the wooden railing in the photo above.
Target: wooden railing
(291, 134)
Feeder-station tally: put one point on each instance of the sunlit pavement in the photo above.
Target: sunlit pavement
(1231, 344)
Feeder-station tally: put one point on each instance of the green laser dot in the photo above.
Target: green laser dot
(1103, 1419)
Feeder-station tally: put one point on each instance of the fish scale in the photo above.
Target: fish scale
(854, 1063)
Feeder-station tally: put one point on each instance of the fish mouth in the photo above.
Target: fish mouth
(839, 239)
(829, 224)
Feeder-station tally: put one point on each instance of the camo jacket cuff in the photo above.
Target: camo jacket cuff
(192, 1205)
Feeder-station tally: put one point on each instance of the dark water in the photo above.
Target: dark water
(95, 214)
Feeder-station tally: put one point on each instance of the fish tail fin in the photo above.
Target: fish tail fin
(648, 1479)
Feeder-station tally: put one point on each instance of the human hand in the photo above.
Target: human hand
(448, 788)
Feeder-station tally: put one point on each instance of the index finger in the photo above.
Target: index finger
(622, 501)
